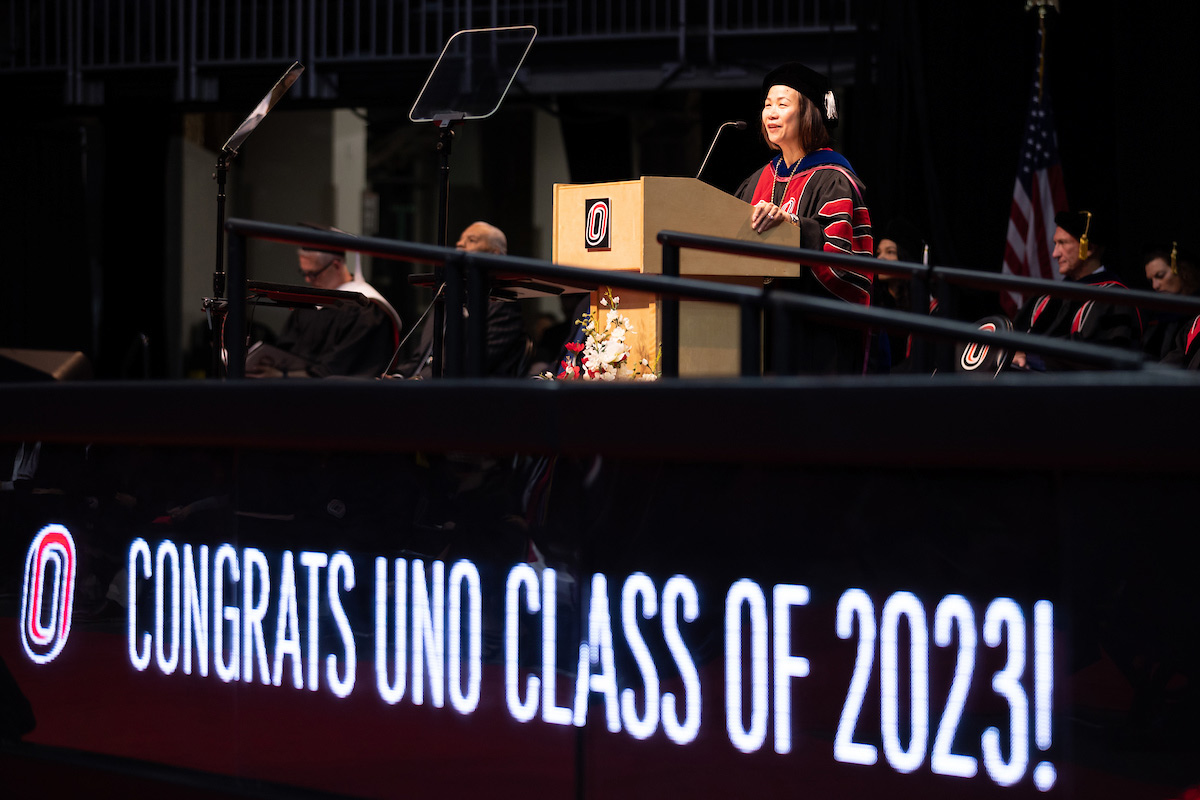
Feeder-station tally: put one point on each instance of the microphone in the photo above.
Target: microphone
(739, 124)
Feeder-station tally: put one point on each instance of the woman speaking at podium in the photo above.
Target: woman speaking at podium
(809, 185)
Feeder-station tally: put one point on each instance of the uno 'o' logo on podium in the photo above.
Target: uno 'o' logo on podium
(49, 593)
(595, 225)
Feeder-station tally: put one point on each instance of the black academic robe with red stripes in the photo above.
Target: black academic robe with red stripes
(1186, 350)
(832, 217)
(1089, 321)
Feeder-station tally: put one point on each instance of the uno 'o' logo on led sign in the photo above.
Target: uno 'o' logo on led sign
(48, 594)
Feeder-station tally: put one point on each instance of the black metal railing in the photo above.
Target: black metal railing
(465, 275)
(929, 280)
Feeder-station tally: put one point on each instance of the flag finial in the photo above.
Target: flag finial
(1042, 6)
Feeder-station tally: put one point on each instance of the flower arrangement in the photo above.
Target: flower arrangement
(604, 355)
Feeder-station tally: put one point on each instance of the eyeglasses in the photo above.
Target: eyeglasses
(312, 276)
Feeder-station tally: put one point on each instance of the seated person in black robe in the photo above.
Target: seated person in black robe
(346, 340)
(1186, 346)
(1170, 269)
(1079, 249)
(506, 340)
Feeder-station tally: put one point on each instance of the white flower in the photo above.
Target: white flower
(606, 355)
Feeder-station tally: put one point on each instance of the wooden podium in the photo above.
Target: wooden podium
(614, 226)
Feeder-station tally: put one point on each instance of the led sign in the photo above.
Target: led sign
(293, 618)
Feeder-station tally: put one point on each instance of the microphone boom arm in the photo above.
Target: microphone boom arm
(739, 124)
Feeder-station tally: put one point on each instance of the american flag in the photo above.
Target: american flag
(1038, 194)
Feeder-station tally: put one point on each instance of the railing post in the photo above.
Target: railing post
(477, 308)
(944, 360)
(455, 302)
(670, 315)
(918, 292)
(233, 333)
(751, 339)
(782, 331)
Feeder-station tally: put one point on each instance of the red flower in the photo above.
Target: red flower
(574, 347)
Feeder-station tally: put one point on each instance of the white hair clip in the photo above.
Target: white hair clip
(830, 106)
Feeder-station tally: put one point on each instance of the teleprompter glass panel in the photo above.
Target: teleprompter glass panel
(473, 73)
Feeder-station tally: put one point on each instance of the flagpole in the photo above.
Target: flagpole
(1038, 190)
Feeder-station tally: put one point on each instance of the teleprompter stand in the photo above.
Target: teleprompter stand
(469, 81)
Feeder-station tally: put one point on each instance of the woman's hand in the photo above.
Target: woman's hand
(765, 216)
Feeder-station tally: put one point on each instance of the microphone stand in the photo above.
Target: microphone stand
(739, 124)
(216, 309)
(217, 306)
